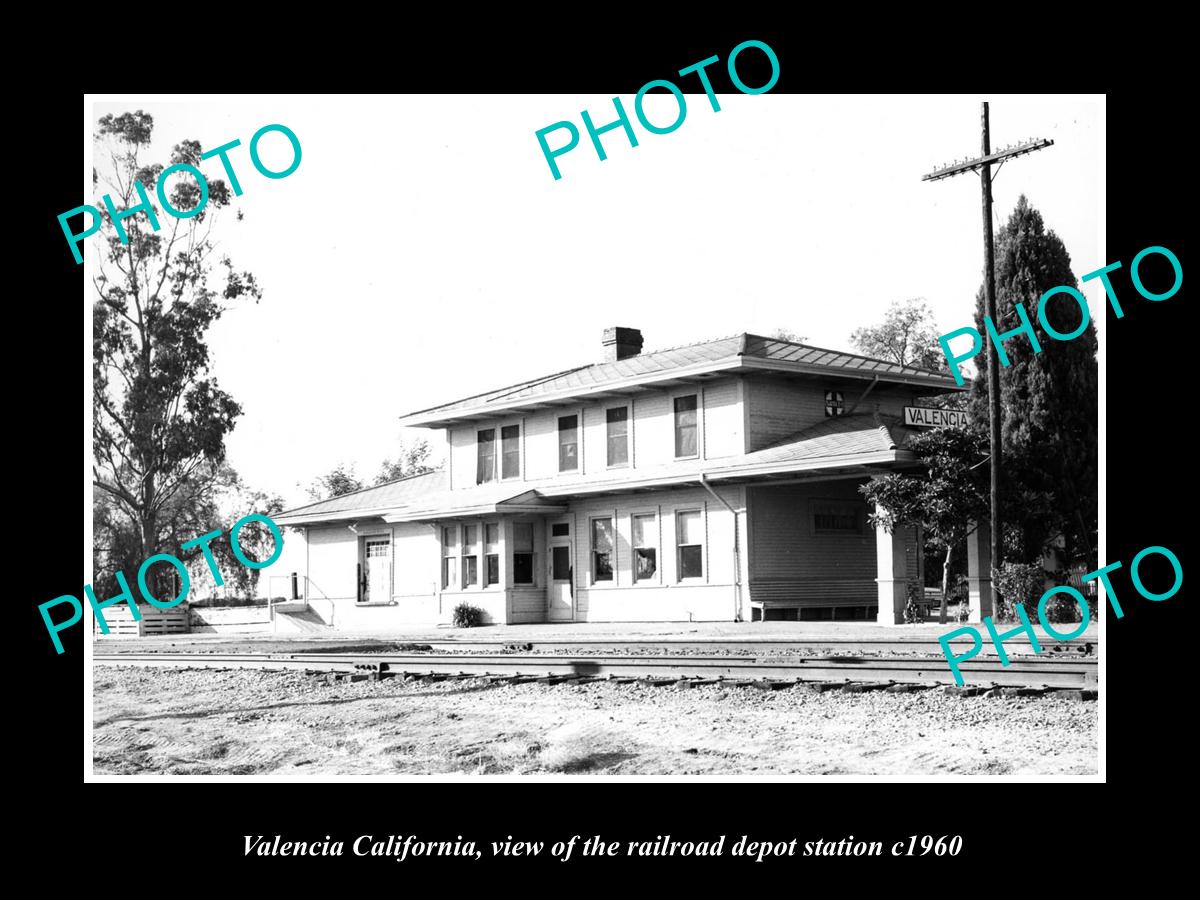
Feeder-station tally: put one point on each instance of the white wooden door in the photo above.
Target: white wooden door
(379, 571)
(560, 587)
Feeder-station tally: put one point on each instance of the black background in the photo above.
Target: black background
(1014, 834)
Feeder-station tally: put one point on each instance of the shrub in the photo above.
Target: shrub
(201, 602)
(912, 609)
(960, 589)
(1018, 583)
(1062, 608)
(467, 616)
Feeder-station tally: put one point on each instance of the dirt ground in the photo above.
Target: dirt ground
(202, 722)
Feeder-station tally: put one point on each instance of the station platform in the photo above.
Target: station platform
(624, 632)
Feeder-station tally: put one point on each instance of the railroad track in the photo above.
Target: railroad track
(868, 646)
(1077, 674)
(701, 646)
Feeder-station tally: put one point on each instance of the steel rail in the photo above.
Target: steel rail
(1027, 673)
(1075, 647)
(1078, 647)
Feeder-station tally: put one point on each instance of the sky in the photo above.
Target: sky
(422, 250)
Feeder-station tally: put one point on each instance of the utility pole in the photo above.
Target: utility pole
(983, 165)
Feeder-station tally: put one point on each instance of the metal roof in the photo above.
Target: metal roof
(742, 351)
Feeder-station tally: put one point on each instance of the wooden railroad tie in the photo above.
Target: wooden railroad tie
(656, 681)
(1075, 694)
(823, 686)
(554, 679)
(1016, 692)
(966, 690)
(862, 687)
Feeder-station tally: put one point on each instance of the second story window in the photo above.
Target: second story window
(685, 426)
(568, 443)
(618, 436)
(510, 450)
(486, 461)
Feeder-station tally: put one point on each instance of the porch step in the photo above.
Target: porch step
(303, 621)
(291, 606)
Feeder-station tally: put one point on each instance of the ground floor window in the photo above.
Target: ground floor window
(450, 556)
(491, 551)
(470, 556)
(645, 547)
(602, 549)
(522, 553)
(689, 526)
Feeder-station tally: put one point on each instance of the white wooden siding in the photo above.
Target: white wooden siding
(789, 563)
(779, 407)
(722, 421)
(665, 599)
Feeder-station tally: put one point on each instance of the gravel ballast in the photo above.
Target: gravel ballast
(246, 722)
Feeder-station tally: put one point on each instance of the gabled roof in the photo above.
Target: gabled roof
(848, 445)
(738, 352)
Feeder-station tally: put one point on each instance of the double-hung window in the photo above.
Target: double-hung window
(470, 556)
(522, 553)
(618, 435)
(568, 443)
(510, 451)
(602, 550)
(685, 427)
(450, 557)
(485, 469)
(689, 531)
(491, 552)
(645, 547)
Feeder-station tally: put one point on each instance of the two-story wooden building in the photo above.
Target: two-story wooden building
(712, 482)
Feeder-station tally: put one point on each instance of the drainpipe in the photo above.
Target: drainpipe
(870, 387)
(737, 557)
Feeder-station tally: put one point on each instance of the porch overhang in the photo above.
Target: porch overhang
(528, 502)
(349, 515)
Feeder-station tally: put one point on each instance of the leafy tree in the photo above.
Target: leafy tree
(212, 500)
(342, 479)
(159, 419)
(412, 460)
(907, 337)
(337, 481)
(1048, 400)
(782, 334)
(947, 499)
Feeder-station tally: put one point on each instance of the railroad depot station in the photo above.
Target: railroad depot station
(716, 482)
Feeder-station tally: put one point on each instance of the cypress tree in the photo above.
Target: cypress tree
(1048, 399)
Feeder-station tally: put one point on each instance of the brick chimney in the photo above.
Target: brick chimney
(621, 343)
